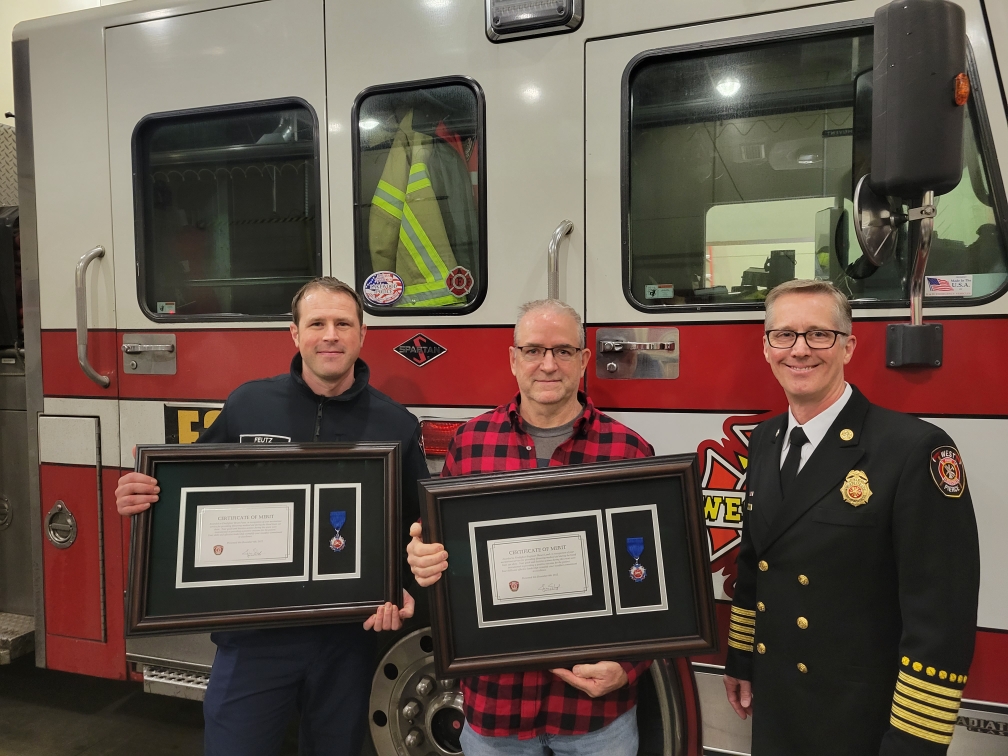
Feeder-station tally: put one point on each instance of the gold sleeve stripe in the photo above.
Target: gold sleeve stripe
(908, 703)
(742, 629)
(920, 732)
(740, 646)
(914, 693)
(740, 638)
(743, 621)
(923, 721)
(743, 612)
(941, 690)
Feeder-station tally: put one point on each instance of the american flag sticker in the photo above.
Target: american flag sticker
(949, 286)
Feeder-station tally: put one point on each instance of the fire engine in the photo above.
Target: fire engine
(184, 167)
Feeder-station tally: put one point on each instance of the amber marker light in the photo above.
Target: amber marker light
(962, 89)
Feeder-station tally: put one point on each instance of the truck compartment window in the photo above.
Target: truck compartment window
(227, 211)
(740, 165)
(420, 197)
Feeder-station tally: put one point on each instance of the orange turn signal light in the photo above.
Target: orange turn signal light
(962, 89)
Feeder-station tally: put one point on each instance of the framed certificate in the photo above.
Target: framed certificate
(555, 566)
(250, 535)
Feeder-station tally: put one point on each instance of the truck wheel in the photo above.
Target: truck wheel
(412, 713)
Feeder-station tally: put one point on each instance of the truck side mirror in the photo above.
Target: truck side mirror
(919, 90)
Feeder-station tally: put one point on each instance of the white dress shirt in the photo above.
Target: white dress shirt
(815, 429)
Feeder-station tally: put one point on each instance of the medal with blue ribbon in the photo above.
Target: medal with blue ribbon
(635, 547)
(338, 520)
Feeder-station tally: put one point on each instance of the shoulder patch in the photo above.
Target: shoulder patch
(948, 472)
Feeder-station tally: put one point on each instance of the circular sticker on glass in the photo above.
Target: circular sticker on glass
(383, 287)
(460, 281)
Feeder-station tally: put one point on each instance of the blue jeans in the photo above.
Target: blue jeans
(618, 738)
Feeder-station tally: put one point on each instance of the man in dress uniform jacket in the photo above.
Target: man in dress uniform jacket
(854, 615)
(260, 677)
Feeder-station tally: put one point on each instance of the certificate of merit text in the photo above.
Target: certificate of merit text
(248, 534)
(538, 568)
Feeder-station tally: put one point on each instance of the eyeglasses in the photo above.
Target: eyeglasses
(818, 339)
(562, 353)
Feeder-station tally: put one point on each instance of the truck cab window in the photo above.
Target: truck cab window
(227, 211)
(741, 167)
(420, 198)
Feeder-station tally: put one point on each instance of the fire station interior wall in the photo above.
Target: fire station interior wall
(605, 62)
(242, 54)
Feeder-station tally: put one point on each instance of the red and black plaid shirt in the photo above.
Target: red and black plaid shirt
(528, 704)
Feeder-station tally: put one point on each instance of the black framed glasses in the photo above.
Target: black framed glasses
(562, 353)
(817, 339)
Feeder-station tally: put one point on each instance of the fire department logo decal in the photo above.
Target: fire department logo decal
(855, 490)
(460, 281)
(420, 350)
(948, 472)
(513, 585)
(723, 482)
(218, 550)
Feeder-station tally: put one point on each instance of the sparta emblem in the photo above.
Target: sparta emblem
(948, 472)
(855, 488)
(513, 585)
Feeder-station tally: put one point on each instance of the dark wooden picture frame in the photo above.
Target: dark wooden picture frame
(141, 621)
(594, 484)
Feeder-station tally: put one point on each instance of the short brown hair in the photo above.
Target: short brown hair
(805, 286)
(332, 285)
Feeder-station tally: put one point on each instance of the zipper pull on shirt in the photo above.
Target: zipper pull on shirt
(318, 421)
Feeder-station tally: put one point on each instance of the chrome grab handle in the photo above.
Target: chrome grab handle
(638, 346)
(138, 348)
(80, 288)
(927, 213)
(553, 259)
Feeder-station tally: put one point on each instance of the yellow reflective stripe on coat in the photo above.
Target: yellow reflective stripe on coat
(418, 178)
(389, 199)
(421, 244)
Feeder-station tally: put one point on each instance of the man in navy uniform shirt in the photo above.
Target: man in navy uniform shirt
(260, 677)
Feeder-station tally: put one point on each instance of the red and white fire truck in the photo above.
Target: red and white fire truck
(185, 166)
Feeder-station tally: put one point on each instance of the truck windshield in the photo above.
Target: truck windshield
(742, 165)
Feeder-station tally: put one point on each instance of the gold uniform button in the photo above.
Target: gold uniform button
(761, 648)
(802, 668)
(761, 606)
(763, 566)
(802, 623)
(803, 580)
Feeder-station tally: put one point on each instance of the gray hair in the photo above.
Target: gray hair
(842, 314)
(553, 306)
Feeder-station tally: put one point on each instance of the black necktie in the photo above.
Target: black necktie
(789, 471)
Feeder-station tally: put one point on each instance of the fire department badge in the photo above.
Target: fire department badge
(855, 488)
(513, 585)
(948, 472)
(218, 550)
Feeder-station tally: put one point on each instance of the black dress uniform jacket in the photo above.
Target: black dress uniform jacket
(855, 606)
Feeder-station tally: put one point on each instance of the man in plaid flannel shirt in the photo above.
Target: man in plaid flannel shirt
(590, 709)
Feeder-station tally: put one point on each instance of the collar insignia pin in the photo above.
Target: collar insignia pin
(846, 434)
(855, 488)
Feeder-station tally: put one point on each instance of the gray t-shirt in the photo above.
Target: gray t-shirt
(548, 439)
